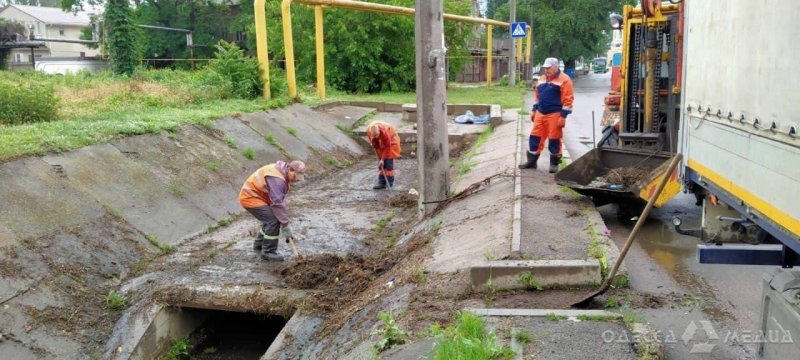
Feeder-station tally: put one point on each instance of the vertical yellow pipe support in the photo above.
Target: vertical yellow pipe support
(519, 50)
(320, 52)
(528, 46)
(489, 55)
(261, 44)
(286, 14)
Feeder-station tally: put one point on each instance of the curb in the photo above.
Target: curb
(516, 219)
(569, 313)
(520, 274)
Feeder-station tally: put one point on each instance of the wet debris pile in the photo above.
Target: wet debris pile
(403, 201)
(336, 279)
(621, 178)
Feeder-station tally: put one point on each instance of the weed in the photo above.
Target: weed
(690, 301)
(175, 189)
(179, 349)
(526, 256)
(292, 131)
(528, 280)
(249, 153)
(220, 249)
(224, 222)
(382, 223)
(630, 317)
(612, 302)
(231, 143)
(523, 337)
(213, 165)
(469, 339)
(331, 161)
(391, 239)
(597, 250)
(163, 248)
(620, 281)
(555, 317)
(489, 255)
(437, 225)
(585, 317)
(271, 140)
(116, 301)
(418, 275)
(465, 167)
(390, 333)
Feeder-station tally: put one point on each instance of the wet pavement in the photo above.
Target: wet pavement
(662, 262)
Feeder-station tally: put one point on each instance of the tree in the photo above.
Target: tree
(567, 30)
(121, 34)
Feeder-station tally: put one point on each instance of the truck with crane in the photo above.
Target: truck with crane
(715, 82)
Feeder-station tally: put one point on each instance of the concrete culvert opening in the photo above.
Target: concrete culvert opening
(215, 334)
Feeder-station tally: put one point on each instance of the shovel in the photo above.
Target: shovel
(650, 202)
(290, 240)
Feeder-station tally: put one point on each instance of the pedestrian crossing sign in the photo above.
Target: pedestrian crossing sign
(518, 30)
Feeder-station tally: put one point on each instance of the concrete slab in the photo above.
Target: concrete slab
(325, 125)
(348, 115)
(297, 331)
(505, 274)
(186, 171)
(570, 313)
(293, 117)
(131, 191)
(246, 138)
(494, 157)
(266, 125)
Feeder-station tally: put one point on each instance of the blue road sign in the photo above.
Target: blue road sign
(518, 30)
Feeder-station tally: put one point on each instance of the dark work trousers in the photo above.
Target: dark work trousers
(270, 228)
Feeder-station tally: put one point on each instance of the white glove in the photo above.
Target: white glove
(286, 233)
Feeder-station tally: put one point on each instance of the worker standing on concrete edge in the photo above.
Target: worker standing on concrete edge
(263, 195)
(386, 142)
(552, 103)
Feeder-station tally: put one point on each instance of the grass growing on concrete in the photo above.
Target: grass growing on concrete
(465, 164)
(597, 250)
(163, 248)
(585, 317)
(612, 302)
(222, 248)
(418, 275)
(116, 301)
(271, 140)
(555, 317)
(292, 131)
(176, 189)
(213, 165)
(179, 349)
(390, 334)
(468, 339)
(630, 317)
(620, 281)
(523, 337)
(529, 281)
(231, 143)
(249, 153)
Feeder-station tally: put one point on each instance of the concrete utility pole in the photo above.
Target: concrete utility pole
(433, 153)
(512, 59)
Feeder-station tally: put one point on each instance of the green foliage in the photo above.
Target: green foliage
(163, 248)
(292, 131)
(123, 36)
(555, 317)
(116, 301)
(249, 153)
(523, 337)
(585, 317)
(178, 350)
(240, 72)
(389, 332)
(529, 281)
(231, 143)
(418, 274)
(567, 30)
(27, 103)
(468, 339)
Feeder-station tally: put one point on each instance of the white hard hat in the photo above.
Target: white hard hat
(550, 62)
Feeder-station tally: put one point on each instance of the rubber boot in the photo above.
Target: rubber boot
(381, 184)
(257, 243)
(555, 160)
(391, 180)
(532, 160)
(269, 251)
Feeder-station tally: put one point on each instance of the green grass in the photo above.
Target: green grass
(612, 302)
(231, 143)
(584, 317)
(418, 275)
(529, 281)
(465, 164)
(390, 334)
(620, 281)
(555, 317)
(213, 165)
(176, 189)
(292, 131)
(272, 141)
(507, 97)
(220, 249)
(597, 250)
(523, 337)
(116, 301)
(468, 339)
(178, 350)
(163, 248)
(249, 153)
(630, 317)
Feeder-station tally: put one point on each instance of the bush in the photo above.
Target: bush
(240, 72)
(29, 103)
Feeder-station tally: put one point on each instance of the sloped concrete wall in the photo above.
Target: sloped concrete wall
(72, 225)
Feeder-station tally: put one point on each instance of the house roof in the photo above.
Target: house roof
(54, 16)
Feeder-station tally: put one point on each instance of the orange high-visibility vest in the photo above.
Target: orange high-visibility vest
(255, 191)
(387, 144)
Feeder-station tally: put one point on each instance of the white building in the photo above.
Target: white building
(49, 23)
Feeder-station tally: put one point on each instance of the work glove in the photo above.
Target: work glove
(380, 165)
(562, 122)
(286, 233)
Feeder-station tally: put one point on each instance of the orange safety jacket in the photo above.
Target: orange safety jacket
(255, 191)
(387, 143)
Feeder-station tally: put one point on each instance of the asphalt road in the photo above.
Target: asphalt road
(662, 263)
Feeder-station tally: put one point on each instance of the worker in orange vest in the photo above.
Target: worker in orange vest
(552, 103)
(386, 142)
(263, 196)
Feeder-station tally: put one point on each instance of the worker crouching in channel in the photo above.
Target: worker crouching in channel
(386, 142)
(552, 103)
(263, 195)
